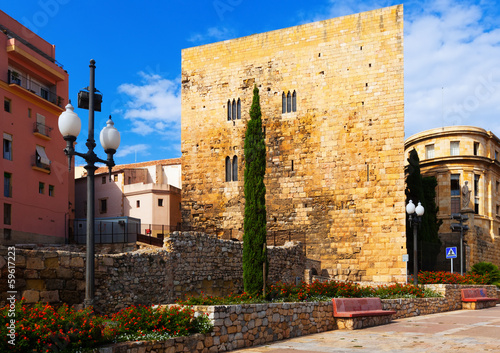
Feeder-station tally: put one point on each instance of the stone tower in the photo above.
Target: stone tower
(332, 108)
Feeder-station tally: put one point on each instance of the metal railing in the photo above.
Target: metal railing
(35, 162)
(274, 237)
(151, 240)
(42, 129)
(159, 229)
(34, 87)
(11, 34)
(108, 231)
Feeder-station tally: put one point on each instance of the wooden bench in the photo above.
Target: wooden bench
(476, 298)
(355, 313)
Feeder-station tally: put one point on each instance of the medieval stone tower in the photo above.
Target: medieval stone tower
(332, 108)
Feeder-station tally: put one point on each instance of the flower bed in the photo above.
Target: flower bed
(42, 328)
(315, 291)
(45, 329)
(442, 277)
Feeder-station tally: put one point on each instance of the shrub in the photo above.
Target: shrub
(400, 291)
(316, 291)
(442, 277)
(243, 298)
(44, 329)
(488, 270)
(173, 320)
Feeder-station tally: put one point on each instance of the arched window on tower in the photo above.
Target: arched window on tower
(228, 169)
(235, 168)
(228, 110)
(234, 109)
(288, 102)
(238, 116)
(294, 101)
(283, 103)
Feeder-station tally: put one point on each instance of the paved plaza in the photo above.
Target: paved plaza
(454, 331)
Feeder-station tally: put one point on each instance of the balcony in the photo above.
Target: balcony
(42, 130)
(40, 164)
(34, 87)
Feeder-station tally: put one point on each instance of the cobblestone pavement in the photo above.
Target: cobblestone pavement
(455, 331)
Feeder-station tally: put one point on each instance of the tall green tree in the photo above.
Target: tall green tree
(254, 236)
(423, 190)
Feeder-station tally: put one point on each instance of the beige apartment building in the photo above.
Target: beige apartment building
(149, 191)
(332, 98)
(457, 155)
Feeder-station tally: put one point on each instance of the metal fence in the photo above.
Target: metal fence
(108, 230)
(159, 230)
(34, 87)
(155, 233)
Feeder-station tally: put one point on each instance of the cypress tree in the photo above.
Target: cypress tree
(254, 236)
(423, 190)
(430, 238)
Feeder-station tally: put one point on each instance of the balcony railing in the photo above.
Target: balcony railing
(34, 87)
(42, 129)
(36, 162)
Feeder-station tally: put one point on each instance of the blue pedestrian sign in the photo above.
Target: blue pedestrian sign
(451, 253)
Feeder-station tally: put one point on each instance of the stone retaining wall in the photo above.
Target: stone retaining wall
(452, 292)
(189, 264)
(214, 266)
(239, 326)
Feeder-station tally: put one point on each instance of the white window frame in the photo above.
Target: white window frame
(454, 148)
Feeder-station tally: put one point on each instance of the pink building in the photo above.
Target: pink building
(38, 189)
(149, 191)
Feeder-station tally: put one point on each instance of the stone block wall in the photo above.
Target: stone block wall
(50, 276)
(247, 325)
(189, 264)
(452, 292)
(334, 166)
(213, 266)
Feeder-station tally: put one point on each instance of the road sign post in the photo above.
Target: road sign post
(451, 253)
(406, 257)
(461, 227)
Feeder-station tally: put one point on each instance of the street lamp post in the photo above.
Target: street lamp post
(415, 217)
(69, 126)
(462, 228)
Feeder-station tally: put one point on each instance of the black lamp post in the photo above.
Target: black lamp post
(415, 218)
(69, 126)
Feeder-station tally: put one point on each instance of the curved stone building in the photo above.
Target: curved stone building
(459, 156)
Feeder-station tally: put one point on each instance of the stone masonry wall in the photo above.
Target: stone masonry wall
(213, 266)
(189, 264)
(247, 325)
(335, 166)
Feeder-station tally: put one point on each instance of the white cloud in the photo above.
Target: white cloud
(451, 51)
(212, 34)
(336, 8)
(153, 106)
(452, 76)
(124, 151)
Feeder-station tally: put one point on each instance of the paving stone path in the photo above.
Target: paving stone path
(456, 331)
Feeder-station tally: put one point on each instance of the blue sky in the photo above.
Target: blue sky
(452, 57)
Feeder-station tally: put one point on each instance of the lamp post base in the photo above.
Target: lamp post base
(88, 303)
